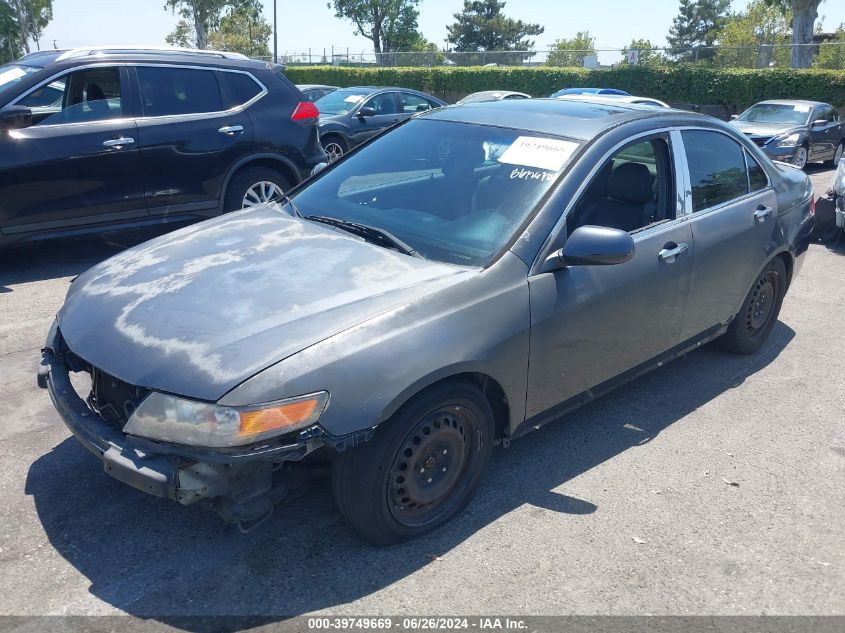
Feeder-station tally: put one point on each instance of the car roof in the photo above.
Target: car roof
(596, 98)
(312, 86)
(582, 120)
(73, 57)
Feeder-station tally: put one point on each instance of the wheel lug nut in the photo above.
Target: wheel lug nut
(445, 451)
(443, 469)
(428, 480)
(422, 470)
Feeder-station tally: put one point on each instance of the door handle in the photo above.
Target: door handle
(671, 251)
(762, 213)
(231, 130)
(118, 143)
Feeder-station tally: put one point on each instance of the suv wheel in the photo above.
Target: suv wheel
(253, 186)
(750, 328)
(420, 469)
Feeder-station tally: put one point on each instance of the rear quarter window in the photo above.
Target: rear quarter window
(237, 89)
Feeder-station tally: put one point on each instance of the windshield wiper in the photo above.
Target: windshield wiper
(369, 233)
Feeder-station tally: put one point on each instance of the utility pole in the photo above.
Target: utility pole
(275, 34)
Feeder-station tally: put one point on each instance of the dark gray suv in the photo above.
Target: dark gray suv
(95, 139)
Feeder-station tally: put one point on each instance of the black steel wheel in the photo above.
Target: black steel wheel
(751, 327)
(420, 469)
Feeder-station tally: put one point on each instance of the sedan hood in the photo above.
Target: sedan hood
(199, 311)
(765, 129)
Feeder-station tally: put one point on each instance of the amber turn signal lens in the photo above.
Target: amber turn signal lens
(263, 420)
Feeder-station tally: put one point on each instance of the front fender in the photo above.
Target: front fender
(477, 322)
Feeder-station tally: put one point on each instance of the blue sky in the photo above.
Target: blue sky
(310, 23)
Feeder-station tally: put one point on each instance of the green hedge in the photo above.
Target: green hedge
(733, 89)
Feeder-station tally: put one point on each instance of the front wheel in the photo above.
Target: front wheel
(421, 467)
(800, 157)
(837, 157)
(751, 327)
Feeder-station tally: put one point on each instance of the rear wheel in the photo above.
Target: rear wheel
(749, 330)
(420, 469)
(254, 186)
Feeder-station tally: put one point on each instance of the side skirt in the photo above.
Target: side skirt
(558, 411)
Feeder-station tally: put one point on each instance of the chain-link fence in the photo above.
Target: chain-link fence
(765, 55)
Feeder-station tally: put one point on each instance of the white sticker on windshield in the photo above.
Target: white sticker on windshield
(802, 108)
(11, 75)
(353, 98)
(544, 153)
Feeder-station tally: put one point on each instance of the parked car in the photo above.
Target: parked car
(493, 95)
(350, 116)
(312, 92)
(795, 131)
(589, 91)
(611, 99)
(464, 278)
(94, 139)
(839, 196)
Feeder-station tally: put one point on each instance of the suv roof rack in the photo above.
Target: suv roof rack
(151, 50)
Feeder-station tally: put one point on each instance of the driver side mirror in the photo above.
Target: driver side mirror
(15, 118)
(366, 111)
(734, 117)
(592, 246)
(820, 123)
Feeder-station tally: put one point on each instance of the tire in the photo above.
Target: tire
(420, 469)
(334, 147)
(834, 162)
(751, 327)
(800, 159)
(247, 179)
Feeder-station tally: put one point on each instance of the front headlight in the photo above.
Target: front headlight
(789, 141)
(183, 421)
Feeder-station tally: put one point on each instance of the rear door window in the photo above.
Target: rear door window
(412, 103)
(237, 89)
(716, 167)
(167, 91)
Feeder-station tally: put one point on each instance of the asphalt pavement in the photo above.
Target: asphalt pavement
(715, 485)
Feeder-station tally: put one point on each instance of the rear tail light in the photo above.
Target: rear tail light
(305, 111)
(812, 205)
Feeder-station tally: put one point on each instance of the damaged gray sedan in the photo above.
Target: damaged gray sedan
(458, 281)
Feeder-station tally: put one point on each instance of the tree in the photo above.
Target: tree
(388, 24)
(32, 17)
(481, 26)
(243, 30)
(571, 52)
(694, 30)
(754, 38)
(203, 14)
(832, 54)
(184, 35)
(648, 55)
(804, 16)
(10, 42)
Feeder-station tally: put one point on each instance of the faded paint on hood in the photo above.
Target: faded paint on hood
(198, 311)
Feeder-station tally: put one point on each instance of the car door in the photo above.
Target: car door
(78, 163)
(590, 324)
(386, 106)
(733, 217)
(188, 136)
(825, 133)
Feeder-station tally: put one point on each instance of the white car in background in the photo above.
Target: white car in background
(839, 195)
(610, 99)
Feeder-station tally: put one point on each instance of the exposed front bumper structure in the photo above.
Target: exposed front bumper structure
(243, 485)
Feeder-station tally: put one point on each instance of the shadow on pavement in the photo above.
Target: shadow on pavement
(25, 262)
(155, 559)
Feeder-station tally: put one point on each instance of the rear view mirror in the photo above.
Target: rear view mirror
(15, 118)
(593, 246)
(366, 111)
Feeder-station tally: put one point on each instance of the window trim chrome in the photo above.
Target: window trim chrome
(144, 119)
